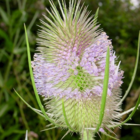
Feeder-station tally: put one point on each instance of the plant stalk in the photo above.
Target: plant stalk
(87, 135)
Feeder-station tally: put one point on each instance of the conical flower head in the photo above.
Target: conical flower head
(69, 68)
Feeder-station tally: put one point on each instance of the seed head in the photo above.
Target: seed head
(69, 68)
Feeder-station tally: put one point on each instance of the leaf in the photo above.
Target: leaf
(16, 21)
(4, 108)
(10, 82)
(1, 80)
(4, 16)
(9, 44)
(8, 132)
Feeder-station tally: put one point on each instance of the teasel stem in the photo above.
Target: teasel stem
(87, 135)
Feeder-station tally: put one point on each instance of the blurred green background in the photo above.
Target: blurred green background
(119, 19)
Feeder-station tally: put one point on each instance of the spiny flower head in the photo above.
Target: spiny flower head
(70, 65)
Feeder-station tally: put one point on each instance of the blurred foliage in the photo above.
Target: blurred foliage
(119, 19)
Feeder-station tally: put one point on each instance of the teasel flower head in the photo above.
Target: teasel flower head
(69, 70)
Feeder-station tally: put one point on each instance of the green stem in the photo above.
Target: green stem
(87, 135)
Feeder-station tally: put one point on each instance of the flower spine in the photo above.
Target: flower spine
(69, 69)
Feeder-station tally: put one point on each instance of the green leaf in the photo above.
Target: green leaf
(8, 42)
(10, 82)
(16, 21)
(8, 132)
(1, 80)
(4, 108)
(105, 88)
(4, 16)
